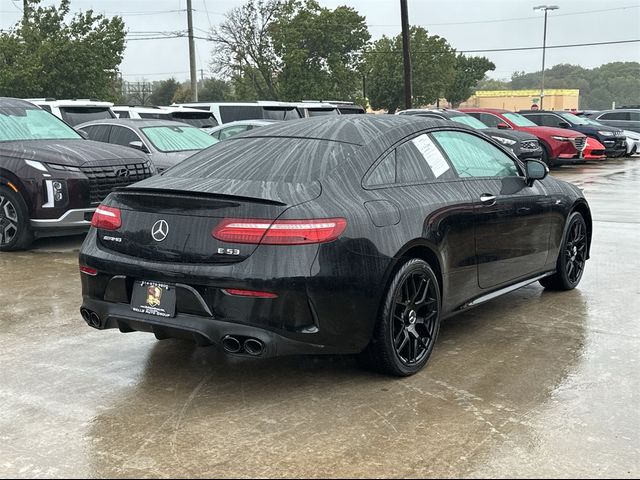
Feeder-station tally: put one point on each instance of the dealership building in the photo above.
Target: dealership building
(554, 99)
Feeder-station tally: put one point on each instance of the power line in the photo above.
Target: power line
(518, 49)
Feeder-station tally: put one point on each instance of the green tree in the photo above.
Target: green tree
(468, 72)
(163, 92)
(318, 50)
(433, 68)
(215, 90)
(243, 47)
(46, 56)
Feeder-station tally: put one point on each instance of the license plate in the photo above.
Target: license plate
(153, 298)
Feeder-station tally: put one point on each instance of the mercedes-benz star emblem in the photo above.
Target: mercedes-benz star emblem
(160, 230)
(122, 172)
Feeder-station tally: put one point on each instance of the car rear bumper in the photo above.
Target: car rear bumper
(203, 330)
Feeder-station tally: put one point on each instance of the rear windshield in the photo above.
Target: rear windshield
(351, 110)
(77, 115)
(266, 159)
(178, 138)
(19, 123)
(196, 119)
(319, 112)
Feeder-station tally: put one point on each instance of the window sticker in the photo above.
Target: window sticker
(431, 154)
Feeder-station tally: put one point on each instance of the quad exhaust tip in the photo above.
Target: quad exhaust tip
(254, 347)
(243, 345)
(231, 344)
(92, 318)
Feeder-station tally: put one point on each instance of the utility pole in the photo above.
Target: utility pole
(25, 13)
(192, 54)
(404, 14)
(546, 9)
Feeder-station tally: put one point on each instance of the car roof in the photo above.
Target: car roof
(445, 112)
(134, 122)
(488, 110)
(79, 102)
(354, 129)
(261, 103)
(155, 109)
(9, 102)
(557, 112)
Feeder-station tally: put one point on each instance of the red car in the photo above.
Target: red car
(594, 150)
(560, 146)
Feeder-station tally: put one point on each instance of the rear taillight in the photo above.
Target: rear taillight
(280, 232)
(88, 270)
(106, 218)
(236, 292)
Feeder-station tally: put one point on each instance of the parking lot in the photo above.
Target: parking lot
(534, 383)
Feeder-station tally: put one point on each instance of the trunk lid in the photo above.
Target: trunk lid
(171, 219)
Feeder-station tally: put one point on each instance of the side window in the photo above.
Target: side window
(123, 114)
(122, 136)
(535, 118)
(634, 116)
(46, 107)
(490, 120)
(385, 172)
(420, 160)
(615, 116)
(231, 131)
(473, 156)
(550, 120)
(99, 133)
(232, 113)
(411, 166)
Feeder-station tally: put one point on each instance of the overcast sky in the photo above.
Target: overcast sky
(466, 24)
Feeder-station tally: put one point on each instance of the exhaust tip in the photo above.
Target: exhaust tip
(231, 344)
(254, 347)
(86, 315)
(94, 320)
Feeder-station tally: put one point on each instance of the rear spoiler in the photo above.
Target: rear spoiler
(191, 194)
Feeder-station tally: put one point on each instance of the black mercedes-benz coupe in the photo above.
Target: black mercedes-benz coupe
(343, 234)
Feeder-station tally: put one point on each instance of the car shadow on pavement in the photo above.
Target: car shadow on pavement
(196, 412)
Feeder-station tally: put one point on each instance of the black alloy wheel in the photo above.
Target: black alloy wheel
(409, 323)
(572, 258)
(15, 233)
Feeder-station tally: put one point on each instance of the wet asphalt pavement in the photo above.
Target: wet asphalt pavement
(534, 383)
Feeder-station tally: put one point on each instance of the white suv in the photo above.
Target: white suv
(225, 112)
(192, 116)
(75, 112)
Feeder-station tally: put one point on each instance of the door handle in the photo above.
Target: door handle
(488, 199)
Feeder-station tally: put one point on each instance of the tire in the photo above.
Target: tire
(15, 230)
(545, 156)
(572, 257)
(408, 324)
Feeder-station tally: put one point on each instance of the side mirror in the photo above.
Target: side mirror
(503, 126)
(564, 125)
(83, 134)
(138, 145)
(536, 170)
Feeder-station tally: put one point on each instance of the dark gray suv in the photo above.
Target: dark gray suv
(626, 119)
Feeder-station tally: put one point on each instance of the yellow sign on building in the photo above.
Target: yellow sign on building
(554, 99)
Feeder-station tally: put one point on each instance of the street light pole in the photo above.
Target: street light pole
(546, 9)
